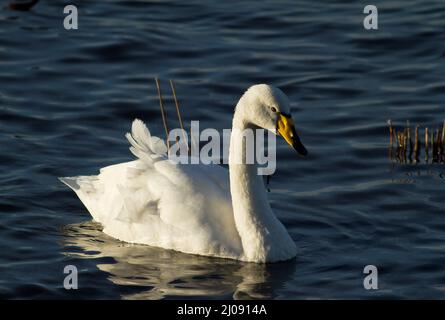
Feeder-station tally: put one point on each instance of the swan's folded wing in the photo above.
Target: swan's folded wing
(155, 201)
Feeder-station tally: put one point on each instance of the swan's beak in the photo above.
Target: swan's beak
(286, 128)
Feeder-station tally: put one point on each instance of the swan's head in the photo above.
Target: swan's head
(269, 108)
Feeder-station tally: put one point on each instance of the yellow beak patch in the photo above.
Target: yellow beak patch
(285, 128)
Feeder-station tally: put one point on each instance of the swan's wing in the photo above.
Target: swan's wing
(155, 201)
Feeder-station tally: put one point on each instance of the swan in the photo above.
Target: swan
(195, 208)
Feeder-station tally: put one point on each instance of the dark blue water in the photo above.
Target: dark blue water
(68, 97)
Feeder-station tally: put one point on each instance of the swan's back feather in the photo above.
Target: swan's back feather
(143, 145)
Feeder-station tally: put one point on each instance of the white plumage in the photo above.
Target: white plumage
(192, 208)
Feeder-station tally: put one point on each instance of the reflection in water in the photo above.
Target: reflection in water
(165, 273)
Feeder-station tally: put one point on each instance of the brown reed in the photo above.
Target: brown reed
(164, 117)
(427, 145)
(172, 86)
(416, 143)
(409, 146)
(391, 133)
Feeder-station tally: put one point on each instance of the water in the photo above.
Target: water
(68, 97)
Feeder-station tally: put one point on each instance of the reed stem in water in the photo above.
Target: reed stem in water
(179, 113)
(164, 118)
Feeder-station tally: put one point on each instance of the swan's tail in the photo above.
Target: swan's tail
(70, 182)
(84, 183)
(86, 188)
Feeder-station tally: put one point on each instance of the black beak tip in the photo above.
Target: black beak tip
(302, 151)
(298, 146)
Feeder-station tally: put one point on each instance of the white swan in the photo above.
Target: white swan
(195, 208)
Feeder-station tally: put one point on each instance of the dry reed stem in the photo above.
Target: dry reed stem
(408, 145)
(179, 113)
(427, 147)
(164, 118)
(416, 143)
(391, 133)
(443, 133)
(408, 138)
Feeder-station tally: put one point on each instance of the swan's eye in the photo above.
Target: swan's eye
(273, 109)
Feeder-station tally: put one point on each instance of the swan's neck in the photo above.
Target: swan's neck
(263, 236)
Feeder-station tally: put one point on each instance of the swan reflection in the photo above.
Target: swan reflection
(168, 274)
